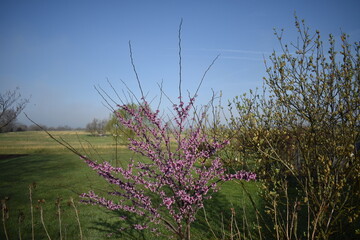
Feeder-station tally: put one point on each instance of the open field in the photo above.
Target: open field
(28, 157)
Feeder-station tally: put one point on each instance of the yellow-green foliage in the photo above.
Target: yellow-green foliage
(303, 130)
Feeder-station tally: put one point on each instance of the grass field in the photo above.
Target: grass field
(33, 157)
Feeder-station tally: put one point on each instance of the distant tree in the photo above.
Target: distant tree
(96, 127)
(8, 121)
(11, 105)
(120, 133)
(21, 127)
(91, 126)
(63, 128)
(37, 127)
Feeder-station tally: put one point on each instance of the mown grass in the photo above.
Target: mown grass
(58, 173)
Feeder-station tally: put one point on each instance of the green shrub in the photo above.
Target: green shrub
(303, 129)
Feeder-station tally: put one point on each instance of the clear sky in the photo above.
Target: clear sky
(56, 51)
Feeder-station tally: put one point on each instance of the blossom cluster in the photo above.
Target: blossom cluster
(179, 172)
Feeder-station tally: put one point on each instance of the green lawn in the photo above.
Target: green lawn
(28, 157)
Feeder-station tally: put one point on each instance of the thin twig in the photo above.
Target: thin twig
(180, 59)
(59, 216)
(207, 222)
(136, 74)
(161, 94)
(42, 219)
(62, 142)
(204, 75)
(31, 212)
(131, 93)
(101, 93)
(162, 91)
(20, 221)
(77, 217)
(4, 216)
(114, 90)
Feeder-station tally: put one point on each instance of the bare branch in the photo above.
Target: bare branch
(180, 64)
(11, 106)
(206, 71)
(136, 74)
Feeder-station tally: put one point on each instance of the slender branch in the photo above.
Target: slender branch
(42, 219)
(112, 87)
(134, 68)
(180, 59)
(162, 91)
(206, 71)
(102, 96)
(131, 93)
(77, 217)
(58, 203)
(161, 94)
(31, 212)
(4, 210)
(207, 222)
(63, 143)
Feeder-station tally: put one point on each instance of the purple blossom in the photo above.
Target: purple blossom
(168, 202)
(179, 177)
(140, 227)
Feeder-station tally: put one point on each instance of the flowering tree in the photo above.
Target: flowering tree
(181, 169)
(170, 187)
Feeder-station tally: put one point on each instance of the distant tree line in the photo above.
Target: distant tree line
(19, 127)
(97, 127)
(11, 105)
(113, 127)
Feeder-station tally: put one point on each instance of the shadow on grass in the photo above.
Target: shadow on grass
(9, 156)
(114, 227)
(31, 168)
(221, 214)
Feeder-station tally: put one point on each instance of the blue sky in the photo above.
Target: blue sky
(56, 51)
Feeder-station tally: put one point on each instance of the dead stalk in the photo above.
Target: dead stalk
(5, 215)
(223, 227)
(237, 228)
(207, 222)
(31, 212)
(246, 221)
(20, 220)
(42, 218)
(59, 216)
(77, 217)
(231, 223)
(276, 220)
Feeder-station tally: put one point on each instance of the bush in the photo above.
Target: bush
(303, 130)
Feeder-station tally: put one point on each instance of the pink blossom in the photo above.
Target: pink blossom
(178, 176)
(140, 227)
